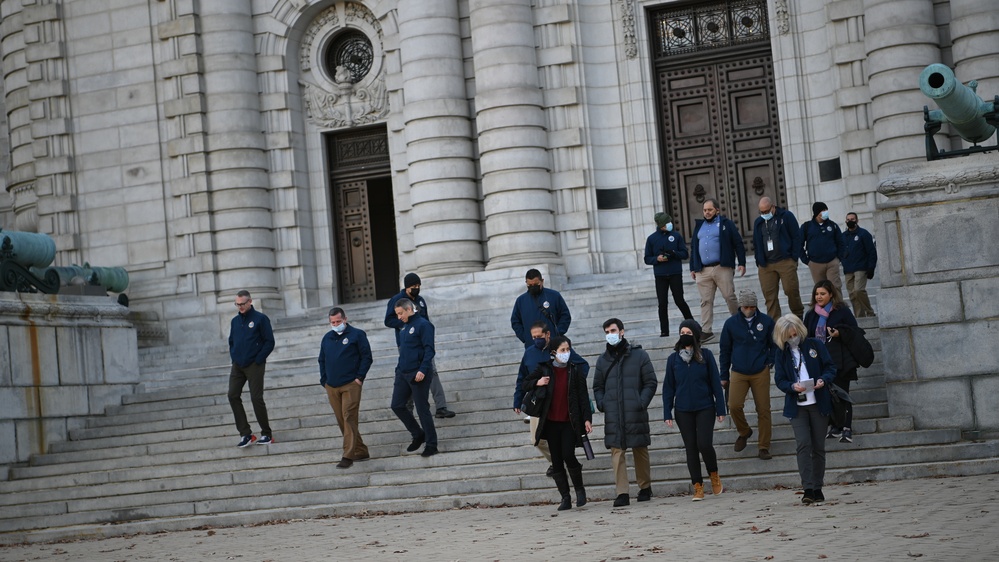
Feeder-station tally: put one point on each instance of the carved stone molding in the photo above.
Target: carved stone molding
(348, 106)
(950, 179)
(628, 28)
(783, 17)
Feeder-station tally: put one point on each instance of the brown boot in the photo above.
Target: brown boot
(716, 485)
(698, 492)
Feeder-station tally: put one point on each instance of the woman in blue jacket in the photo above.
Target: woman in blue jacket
(693, 395)
(803, 370)
(827, 315)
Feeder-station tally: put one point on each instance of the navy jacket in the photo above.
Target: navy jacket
(669, 243)
(859, 251)
(692, 387)
(731, 245)
(548, 306)
(534, 357)
(746, 347)
(344, 357)
(820, 366)
(839, 316)
(251, 339)
(788, 236)
(821, 243)
(416, 348)
(392, 321)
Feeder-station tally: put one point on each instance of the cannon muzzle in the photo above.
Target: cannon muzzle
(959, 105)
(27, 249)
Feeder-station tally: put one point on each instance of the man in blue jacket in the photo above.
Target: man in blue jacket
(822, 246)
(251, 340)
(539, 303)
(747, 349)
(344, 360)
(412, 377)
(665, 251)
(859, 262)
(714, 248)
(411, 291)
(777, 243)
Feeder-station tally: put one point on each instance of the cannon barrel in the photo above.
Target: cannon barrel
(114, 279)
(959, 105)
(27, 249)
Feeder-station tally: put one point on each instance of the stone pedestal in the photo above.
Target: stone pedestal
(938, 308)
(61, 358)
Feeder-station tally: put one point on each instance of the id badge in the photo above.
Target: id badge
(770, 245)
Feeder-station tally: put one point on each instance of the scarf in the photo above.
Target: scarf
(823, 312)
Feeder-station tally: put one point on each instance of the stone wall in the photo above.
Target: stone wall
(939, 267)
(61, 358)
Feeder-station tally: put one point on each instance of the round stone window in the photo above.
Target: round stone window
(349, 57)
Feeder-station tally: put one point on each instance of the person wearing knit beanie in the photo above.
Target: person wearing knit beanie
(665, 250)
(822, 246)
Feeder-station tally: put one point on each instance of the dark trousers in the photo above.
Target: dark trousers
(562, 445)
(697, 430)
(810, 436)
(664, 285)
(238, 377)
(845, 385)
(404, 389)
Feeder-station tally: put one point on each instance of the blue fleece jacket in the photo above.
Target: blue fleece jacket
(821, 243)
(251, 339)
(344, 357)
(859, 252)
(787, 236)
(819, 365)
(692, 387)
(746, 346)
(548, 306)
(392, 321)
(416, 347)
(672, 245)
(730, 241)
(534, 357)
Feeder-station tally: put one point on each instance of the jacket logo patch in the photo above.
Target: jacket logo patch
(545, 304)
(856, 238)
(759, 327)
(812, 353)
(829, 228)
(671, 239)
(345, 342)
(250, 325)
(411, 330)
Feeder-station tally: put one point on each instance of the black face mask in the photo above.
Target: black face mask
(851, 224)
(686, 340)
(535, 290)
(414, 292)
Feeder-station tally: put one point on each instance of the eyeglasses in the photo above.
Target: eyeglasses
(242, 304)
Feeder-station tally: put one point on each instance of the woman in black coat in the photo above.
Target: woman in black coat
(565, 417)
(826, 316)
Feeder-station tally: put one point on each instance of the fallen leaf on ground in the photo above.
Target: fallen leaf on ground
(715, 523)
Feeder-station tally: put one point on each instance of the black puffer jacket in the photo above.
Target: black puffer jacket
(579, 399)
(623, 391)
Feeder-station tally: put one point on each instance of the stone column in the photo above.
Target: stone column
(439, 152)
(974, 33)
(901, 39)
(514, 161)
(239, 199)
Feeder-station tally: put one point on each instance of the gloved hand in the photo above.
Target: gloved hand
(870, 274)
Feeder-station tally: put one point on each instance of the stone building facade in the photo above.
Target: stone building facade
(313, 151)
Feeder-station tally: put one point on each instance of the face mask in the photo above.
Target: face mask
(339, 329)
(686, 355)
(824, 215)
(669, 227)
(414, 292)
(686, 340)
(562, 358)
(535, 290)
(795, 341)
(748, 314)
(613, 339)
(539, 343)
(851, 224)
(767, 216)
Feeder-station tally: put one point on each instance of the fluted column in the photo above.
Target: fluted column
(21, 177)
(447, 229)
(240, 203)
(513, 142)
(901, 39)
(974, 33)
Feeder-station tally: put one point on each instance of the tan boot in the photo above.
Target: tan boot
(716, 485)
(698, 492)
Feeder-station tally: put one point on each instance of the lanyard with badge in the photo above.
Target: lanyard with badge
(770, 233)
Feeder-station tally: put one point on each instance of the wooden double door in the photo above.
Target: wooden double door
(720, 136)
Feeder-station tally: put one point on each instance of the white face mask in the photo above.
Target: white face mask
(824, 215)
(562, 358)
(339, 329)
(614, 339)
(669, 227)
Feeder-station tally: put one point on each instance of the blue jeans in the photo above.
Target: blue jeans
(405, 387)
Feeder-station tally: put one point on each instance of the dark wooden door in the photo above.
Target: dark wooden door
(354, 249)
(720, 137)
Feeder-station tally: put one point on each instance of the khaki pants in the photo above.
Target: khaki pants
(643, 471)
(542, 445)
(739, 385)
(830, 271)
(784, 272)
(346, 402)
(709, 279)
(856, 284)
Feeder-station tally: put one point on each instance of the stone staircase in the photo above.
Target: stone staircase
(165, 459)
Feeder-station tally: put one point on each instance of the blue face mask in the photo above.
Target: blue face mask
(540, 343)
(824, 215)
(767, 216)
(613, 339)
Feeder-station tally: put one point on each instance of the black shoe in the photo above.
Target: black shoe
(706, 337)
(550, 473)
(444, 413)
(622, 500)
(740, 441)
(345, 463)
(809, 497)
(566, 503)
(664, 334)
(429, 451)
(416, 443)
(817, 493)
(580, 497)
(645, 494)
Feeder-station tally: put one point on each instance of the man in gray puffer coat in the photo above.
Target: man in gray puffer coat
(623, 387)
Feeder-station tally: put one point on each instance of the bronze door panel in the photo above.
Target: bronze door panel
(355, 262)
